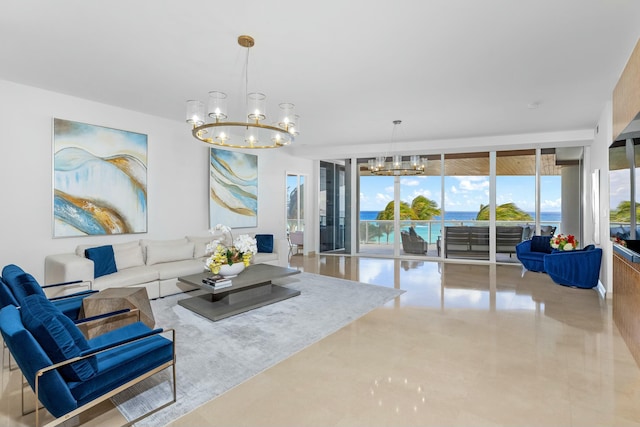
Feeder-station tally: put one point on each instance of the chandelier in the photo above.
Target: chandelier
(397, 166)
(250, 133)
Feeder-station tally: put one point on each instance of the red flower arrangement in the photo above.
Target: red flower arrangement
(564, 243)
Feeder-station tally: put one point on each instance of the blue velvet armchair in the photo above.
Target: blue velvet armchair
(20, 285)
(531, 253)
(580, 268)
(70, 374)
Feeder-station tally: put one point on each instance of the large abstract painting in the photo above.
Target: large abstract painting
(233, 188)
(100, 180)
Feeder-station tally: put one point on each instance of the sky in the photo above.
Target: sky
(463, 193)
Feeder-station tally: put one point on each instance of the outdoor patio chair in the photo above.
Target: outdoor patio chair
(412, 243)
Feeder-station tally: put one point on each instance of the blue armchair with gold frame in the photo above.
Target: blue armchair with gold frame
(70, 374)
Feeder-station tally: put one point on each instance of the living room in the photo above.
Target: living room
(37, 91)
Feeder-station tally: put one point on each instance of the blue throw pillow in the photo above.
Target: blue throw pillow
(104, 262)
(264, 243)
(58, 336)
(541, 244)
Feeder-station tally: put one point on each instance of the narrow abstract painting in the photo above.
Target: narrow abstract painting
(100, 180)
(233, 189)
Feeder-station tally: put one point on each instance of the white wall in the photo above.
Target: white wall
(600, 160)
(177, 179)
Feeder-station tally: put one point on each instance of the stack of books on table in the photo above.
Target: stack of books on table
(216, 282)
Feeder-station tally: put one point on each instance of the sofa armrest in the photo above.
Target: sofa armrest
(574, 268)
(281, 247)
(523, 247)
(67, 268)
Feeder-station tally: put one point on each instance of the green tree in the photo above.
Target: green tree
(424, 208)
(505, 212)
(622, 213)
(421, 208)
(387, 215)
(405, 212)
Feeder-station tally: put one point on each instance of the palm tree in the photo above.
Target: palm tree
(504, 212)
(424, 208)
(622, 213)
(387, 215)
(421, 208)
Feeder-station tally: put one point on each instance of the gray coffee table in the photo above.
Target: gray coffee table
(250, 289)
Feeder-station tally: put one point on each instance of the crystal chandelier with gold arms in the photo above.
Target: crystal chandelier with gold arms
(251, 133)
(397, 166)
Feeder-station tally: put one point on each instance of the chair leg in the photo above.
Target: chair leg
(5, 349)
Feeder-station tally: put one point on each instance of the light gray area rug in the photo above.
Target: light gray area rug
(213, 357)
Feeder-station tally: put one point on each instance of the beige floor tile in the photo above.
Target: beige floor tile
(465, 345)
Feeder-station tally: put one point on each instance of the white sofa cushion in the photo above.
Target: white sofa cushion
(158, 253)
(201, 243)
(129, 277)
(81, 248)
(171, 270)
(128, 255)
(146, 242)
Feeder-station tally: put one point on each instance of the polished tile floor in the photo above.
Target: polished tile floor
(465, 345)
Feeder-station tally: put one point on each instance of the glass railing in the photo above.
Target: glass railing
(381, 232)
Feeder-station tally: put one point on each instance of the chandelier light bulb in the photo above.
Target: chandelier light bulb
(218, 105)
(195, 112)
(397, 161)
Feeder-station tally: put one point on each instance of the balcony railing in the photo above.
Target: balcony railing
(381, 232)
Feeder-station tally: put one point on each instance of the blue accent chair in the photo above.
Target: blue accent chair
(531, 253)
(70, 374)
(21, 284)
(580, 269)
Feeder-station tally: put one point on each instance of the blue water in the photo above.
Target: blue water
(467, 216)
(431, 232)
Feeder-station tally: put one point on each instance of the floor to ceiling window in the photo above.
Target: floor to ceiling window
(466, 183)
(376, 226)
(450, 211)
(515, 209)
(624, 190)
(295, 211)
(332, 204)
(295, 203)
(420, 198)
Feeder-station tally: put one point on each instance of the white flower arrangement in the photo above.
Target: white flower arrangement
(241, 250)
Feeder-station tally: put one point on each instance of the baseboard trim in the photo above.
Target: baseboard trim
(601, 290)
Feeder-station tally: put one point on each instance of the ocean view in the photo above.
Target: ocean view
(467, 216)
(430, 231)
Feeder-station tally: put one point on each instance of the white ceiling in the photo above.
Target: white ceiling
(447, 68)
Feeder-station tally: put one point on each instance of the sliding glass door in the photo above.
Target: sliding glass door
(332, 203)
(456, 211)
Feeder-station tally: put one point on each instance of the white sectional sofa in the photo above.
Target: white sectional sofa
(154, 264)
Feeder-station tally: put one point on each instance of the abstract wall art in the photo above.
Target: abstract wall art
(233, 188)
(99, 180)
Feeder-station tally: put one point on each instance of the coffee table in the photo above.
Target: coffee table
(113, 299)
(250, 289)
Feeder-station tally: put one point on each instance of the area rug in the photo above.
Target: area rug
(213, 357)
